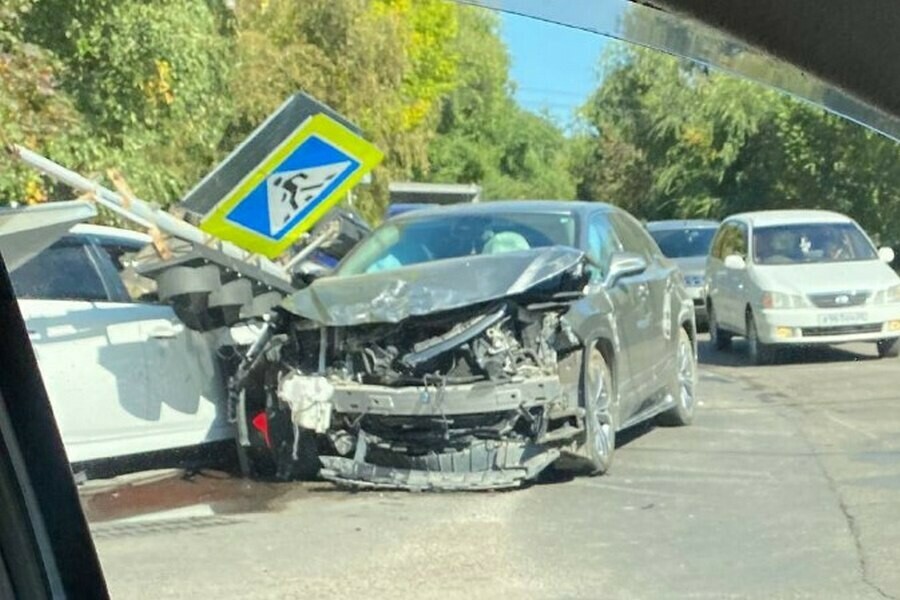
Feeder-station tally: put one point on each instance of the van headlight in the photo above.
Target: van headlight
(781, 300)
(892, 294)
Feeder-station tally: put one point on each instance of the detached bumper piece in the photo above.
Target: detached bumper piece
(484, 466)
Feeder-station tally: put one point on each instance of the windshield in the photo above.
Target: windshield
(810, 243)
(436, 237)
(684, 243)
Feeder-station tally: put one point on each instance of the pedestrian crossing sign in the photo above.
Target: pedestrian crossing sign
(293, 187)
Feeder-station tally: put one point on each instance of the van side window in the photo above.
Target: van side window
(715, 249)
(732, 239)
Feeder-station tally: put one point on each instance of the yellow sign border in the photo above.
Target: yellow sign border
(216, 222)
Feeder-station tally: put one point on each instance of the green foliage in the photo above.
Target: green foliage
(484, 136)
(163, 90)
(34, 110)
(667, 139)
(384, 64)
(100, 84)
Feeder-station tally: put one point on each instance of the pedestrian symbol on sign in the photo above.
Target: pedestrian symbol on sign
(290, 189)
(290, 192)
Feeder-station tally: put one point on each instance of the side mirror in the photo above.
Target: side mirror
(736, 262)
(886, 255)
(625, 264)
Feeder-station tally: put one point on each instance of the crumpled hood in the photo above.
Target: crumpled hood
(813, 278)
(392, 296)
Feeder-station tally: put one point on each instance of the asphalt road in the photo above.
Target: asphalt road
(786, 486)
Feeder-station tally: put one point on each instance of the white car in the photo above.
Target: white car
(800, 277)
(123, 374)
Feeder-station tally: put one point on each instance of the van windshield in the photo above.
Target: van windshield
(810, 243)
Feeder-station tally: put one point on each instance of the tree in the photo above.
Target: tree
(384, 64)
(163, 90)
(34, 110)
(484, 136)
(667, 139)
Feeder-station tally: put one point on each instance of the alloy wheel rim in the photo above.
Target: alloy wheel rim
(686, 373)
(603, 421)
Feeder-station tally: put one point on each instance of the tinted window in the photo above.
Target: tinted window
(64, 271)
(634, 237)
(121, 254)
(437, 236)
(684, 242)
(733, 240)
(716, 250)
(810, 243)
(602, 242)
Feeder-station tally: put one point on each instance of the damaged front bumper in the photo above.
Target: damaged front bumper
(484, 435)
(488, 465)
(457, 399)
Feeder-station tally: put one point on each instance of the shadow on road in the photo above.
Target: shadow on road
(736, 356)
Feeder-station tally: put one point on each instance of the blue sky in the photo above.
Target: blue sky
(554, 67)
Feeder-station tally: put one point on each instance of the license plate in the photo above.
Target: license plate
(843, 318)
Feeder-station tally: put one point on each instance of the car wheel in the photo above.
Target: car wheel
(889, 348)
(683, 388)
(760, 353)
(277, 460)
(720, 338)
(598, 397)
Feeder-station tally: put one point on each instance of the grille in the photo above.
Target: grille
(841, 330)
(839, 299)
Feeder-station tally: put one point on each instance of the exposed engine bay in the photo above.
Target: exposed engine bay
(479, 396)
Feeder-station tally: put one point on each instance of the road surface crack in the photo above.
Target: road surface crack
(852, 525)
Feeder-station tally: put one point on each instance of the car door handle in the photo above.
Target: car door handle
(165, 332)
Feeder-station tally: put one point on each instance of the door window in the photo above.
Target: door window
(634, 237)
(602, 242)
(716, 248)
(121, 254)
(64, 271)
(734, 240)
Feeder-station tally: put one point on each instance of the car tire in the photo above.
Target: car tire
(257, 463)
(278, 460)
(598, 401)
(889, 348)
(759, 352)
(721, 339)
(683, 388)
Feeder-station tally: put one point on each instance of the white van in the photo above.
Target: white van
(800, 277)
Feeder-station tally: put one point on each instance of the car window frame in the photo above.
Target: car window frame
(99, 263)
(718, 249)
(122, 296)
(116, 292)
(605, 216)
(647, 246)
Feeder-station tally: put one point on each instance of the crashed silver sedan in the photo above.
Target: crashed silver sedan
(472, 347)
